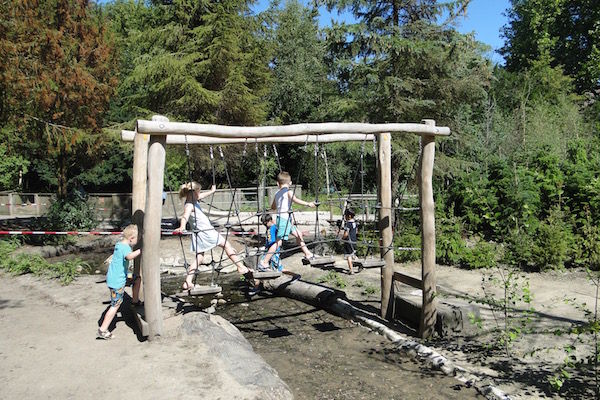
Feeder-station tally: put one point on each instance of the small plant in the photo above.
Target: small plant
(334, 278)
(584, 334)
(512, 310)
(65, 271)
(369, 290)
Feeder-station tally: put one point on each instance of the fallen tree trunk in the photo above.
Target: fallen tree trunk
(333, 300)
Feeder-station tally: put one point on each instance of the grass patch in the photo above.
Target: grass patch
(333, 278)
(64, 271)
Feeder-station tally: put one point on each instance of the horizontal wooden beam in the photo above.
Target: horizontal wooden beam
(408, 280)
(222, 131)
(128, 136)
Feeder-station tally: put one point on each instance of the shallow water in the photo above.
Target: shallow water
(321, 356)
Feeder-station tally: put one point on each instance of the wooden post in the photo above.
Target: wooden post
(384, 192)
(428, 310)
(138, 193)
(36, 200)
(11, 205)
(152, 227)
(328, 185)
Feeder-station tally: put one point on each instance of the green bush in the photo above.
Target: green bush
(450, 245)
(71, 213)
(482, 255)
(553, 242)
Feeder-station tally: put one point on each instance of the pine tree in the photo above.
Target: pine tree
(57, 68)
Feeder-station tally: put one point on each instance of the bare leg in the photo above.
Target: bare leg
(351, 271)
(270, 251)
(189, 279)
(108, 317)
(301, 243)
(232, 254)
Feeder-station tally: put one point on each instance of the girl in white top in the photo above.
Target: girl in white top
(205, 237)
(285, 226)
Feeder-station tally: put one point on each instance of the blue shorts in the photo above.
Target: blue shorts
(116, 296)
(284, 228)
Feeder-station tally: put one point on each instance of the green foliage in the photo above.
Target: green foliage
(552, 242)
(333, 278)
(11, 166)
(64, 271)
(586, 335)
(71, 213)
(450, 244)
(564, 32)
(509, 297)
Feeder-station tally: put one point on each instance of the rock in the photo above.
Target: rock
(221, 301)
(213, 301)
(210, 310)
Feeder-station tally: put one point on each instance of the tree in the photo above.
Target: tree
(194, 61)
(57, 68)
(300, 76)
(564, 31)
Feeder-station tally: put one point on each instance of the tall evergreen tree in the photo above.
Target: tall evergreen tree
(194, 61)
(57, 75)
(300, 77)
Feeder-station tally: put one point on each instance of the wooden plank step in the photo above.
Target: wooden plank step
(369, 263)
(266, 274)
(201, 290)
(319, 261)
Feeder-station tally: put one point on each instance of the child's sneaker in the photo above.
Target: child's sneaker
(105, 335)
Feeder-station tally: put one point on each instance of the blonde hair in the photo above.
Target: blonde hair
(283, 177)
(130, 231)
(186, 188)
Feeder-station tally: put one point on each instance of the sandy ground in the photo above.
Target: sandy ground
(49, 350)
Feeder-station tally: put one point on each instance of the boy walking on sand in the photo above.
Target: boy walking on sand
(116, 277)
(285, 226)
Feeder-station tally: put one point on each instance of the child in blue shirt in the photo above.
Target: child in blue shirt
(271, 245)
(116, 277)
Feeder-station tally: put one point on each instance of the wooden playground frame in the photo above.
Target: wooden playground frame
(150, 140)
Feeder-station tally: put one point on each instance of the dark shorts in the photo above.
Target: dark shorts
(349, 249)
(116, 296)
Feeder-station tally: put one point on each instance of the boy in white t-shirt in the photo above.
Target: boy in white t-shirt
(285, 225)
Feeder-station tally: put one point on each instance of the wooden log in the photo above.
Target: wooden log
(138, 194)
(384, 193)
(128, 136)
(313, 294)
(427, 212)
(185, 128)
(151, 249)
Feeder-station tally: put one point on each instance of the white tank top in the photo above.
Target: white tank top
(282, 201)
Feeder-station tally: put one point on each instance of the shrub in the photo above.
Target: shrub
(71, 213)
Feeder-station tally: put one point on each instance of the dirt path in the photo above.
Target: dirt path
(49, 350)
